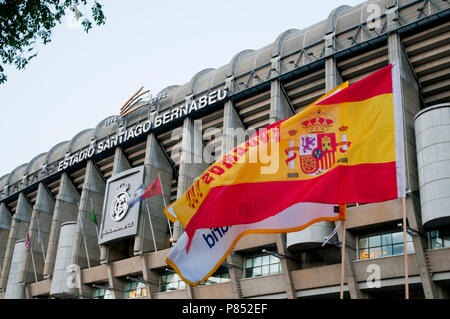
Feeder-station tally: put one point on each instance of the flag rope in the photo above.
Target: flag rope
(32, 256)
(40, 236)
(151, 225)
(84, 238)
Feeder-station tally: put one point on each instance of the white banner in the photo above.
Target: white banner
(210, 247)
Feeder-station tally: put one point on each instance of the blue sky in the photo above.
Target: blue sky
(79, 79)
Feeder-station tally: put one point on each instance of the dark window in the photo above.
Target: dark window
(135, 289)
(101, 293)
(261, 265)
(438, 240)
(170, 281)
(221, 275)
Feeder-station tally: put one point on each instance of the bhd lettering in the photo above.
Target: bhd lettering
(215, 235)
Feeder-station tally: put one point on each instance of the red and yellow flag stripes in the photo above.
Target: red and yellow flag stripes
(346, 148)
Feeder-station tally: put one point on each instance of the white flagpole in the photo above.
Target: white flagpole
(40, 239)
(32, 260)
(84, 239)
(151, 225)
(165, 205)
(26, 267)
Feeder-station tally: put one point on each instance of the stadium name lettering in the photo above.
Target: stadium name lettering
(98, 147)
(124, 135)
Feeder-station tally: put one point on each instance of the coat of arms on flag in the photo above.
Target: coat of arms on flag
(318, 146)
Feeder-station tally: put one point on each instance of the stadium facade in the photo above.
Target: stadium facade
(177, 134)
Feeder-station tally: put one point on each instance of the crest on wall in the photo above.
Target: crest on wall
(119, 207)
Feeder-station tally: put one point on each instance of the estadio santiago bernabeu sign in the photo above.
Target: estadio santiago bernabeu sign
(123, 135)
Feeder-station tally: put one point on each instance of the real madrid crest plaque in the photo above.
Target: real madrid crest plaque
(119, 220)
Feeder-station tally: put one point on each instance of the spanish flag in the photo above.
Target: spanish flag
(344, 148)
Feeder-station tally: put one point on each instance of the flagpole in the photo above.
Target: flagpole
(26, 268)
(92, 210)
(405, 249)
(151, 225)
(342, 260)
(32, 260)
(39, 237)
(84, 240)
(165, 205)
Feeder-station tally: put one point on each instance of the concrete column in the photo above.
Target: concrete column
(332, 76)
(333, 79)
(420, 242)
(118, 285)
(350, 255)
(191, 166)
(391, 13)
(411, 105)
(15, 289)
(156, 165)
(279, 106)
(108, 253)
(150, 277)
(64, 271)
(287, 265)
(91, 195)
(191, 163)
(120, 162)
(5, 226)
(232, 128)
(279, 110)
(236, 271)
(42, 214)
(66, 209)
(19, 226)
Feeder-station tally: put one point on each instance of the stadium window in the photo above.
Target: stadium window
(170, 281)
(262, 265)
(134, 289)
(439, 241)
(389, 244)
(101, 293)
(221, 275)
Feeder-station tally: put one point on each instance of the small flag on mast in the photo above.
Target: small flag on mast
(39, 234)
(28, 241)
(153, 190)
(93, 218)
(136, 196)
(139, 194)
